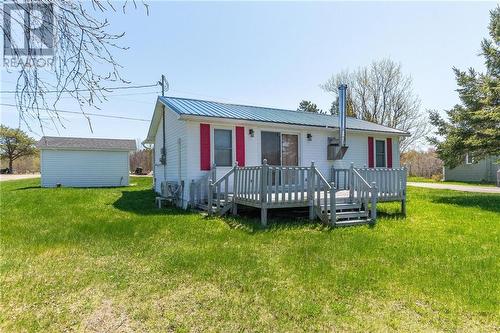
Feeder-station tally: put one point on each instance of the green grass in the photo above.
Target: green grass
(108, 260)
(430, 180)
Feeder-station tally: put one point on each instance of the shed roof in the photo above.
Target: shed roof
(203, 108)
(57, 142)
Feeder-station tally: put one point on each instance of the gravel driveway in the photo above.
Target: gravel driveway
(465, 188)
(14, 177)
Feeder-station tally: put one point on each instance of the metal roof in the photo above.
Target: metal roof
(56, 142)
(194, 107)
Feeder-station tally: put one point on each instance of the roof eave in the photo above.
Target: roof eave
(201, 117)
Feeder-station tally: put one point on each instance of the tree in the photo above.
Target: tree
(14, 143)
(382, 94)
(142, 158)
(474, 126)
(81, 65)
(423, 163)
(308, 106)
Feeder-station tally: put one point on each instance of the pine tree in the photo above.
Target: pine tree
(308, 106)
(474, 126)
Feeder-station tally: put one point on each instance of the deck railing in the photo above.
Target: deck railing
(390, 182)
(321, 196)
(269, 186)
(198, 190)
(219, 196)
(247, 184)
(284, 185)
(341, 177)
(364, 193)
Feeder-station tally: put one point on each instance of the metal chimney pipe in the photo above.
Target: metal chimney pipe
(342, 115)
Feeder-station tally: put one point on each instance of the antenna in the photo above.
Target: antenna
(164, 85)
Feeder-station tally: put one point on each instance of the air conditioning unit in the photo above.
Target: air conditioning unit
(170, 190)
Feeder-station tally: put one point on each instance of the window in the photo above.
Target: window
(380, 153)
(223, 147)
(469, 159)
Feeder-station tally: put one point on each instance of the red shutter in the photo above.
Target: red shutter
(204, 146)
(389, 152)
(371, 157)
(240, 145)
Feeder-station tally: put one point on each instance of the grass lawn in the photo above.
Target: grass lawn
(108, 260)
(430, 180)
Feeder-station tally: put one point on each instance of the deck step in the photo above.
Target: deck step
(353, 214)
(349, 223)
(346, 206)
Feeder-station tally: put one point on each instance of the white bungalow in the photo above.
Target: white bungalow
(195, 140)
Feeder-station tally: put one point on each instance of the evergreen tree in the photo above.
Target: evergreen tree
(474, 126)
(309, 106)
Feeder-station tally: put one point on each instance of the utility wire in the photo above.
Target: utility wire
(97, 89)
(85, 113)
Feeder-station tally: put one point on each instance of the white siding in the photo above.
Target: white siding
(84, 168)
(176, 141)
(314, 150)
(183, 159)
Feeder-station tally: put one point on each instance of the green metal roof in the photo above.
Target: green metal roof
(194, 107)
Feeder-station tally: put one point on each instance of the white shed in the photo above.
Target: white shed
(84, 162)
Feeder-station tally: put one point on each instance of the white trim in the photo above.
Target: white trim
(299, 142)
(467, 162)
(213, 127)
(375, 152)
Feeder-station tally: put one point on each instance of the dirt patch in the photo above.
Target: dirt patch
(108, 318)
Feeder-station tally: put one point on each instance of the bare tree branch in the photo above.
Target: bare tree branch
(83, 63)
(382, 94)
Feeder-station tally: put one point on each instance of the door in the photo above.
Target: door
(289, 156)
(280, 150)
(270, 147)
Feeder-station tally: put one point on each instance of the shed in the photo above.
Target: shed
(84, 162)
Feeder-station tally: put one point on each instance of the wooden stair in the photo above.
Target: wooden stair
(350, 214)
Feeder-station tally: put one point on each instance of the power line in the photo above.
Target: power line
(85, 113)
(109, 89)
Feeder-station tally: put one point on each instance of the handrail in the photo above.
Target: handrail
(214, 188)
(364, 193)
(322, 196)
(324, 181)
(361, 178)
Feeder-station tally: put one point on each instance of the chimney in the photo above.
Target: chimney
(342, 148)
(342, 115)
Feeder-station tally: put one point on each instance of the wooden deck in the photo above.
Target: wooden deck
(269, 187)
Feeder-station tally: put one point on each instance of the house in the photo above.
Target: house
(191, 136)
(473, 171)
(84, 162)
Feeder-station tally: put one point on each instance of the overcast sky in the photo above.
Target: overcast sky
(275, 54)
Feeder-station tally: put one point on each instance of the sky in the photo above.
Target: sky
(273, 54)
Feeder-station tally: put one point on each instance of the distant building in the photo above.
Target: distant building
(474, 171)
(84, 162)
